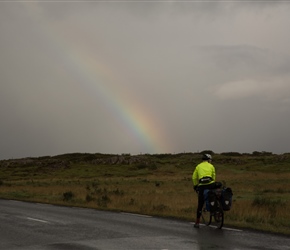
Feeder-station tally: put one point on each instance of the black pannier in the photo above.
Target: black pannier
(212, 200)
(226, 198)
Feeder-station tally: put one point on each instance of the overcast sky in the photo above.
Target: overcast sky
(144, 77)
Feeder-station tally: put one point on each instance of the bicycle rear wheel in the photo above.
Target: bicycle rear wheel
(206, 217)
(219, 216)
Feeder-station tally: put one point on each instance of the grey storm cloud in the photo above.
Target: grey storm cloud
(143, 76)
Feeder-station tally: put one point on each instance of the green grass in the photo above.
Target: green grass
(154, 184)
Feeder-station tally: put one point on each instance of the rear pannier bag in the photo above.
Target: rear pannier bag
(212, 200)
(226, 198)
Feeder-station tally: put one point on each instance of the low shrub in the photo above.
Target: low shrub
(103, 201)
(68, 196)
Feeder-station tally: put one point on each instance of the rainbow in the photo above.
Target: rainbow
(98, 79)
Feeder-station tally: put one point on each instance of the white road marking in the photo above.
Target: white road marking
(43, 221)
(140, 215)
(225, 228)
(232, 229)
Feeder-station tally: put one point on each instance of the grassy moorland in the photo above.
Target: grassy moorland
(155, 184)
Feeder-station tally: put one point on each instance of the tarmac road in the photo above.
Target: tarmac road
(36, 226)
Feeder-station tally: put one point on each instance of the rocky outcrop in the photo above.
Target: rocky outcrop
(122, 160)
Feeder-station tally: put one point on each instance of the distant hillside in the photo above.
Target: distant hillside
(64, 160)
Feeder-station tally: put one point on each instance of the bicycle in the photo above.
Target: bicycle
(212, 212)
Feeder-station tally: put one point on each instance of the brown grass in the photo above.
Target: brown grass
(260, 201)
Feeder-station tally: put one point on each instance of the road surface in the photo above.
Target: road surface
(34, 226)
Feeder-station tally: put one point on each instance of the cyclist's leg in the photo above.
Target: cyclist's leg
(199, 206)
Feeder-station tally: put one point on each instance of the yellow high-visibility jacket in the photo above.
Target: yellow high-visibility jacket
(204, 169)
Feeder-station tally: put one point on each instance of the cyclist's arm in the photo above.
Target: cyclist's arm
(213, 173)
(195, 177)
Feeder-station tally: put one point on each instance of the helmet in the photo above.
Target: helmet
(206, 157)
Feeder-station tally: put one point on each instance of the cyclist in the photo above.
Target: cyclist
(203, 178)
